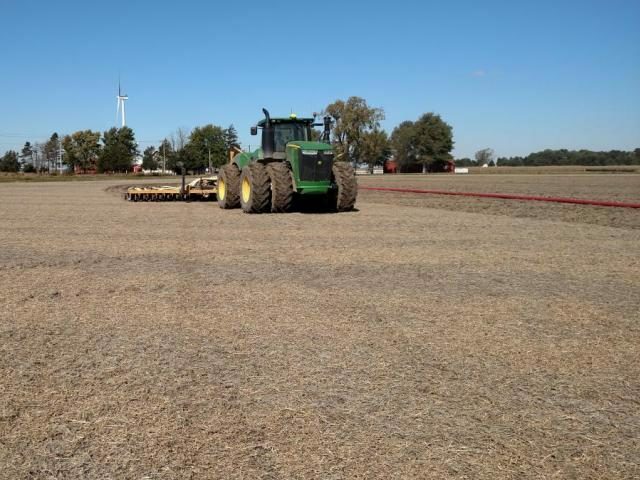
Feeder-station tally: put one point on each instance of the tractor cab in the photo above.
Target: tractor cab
(278, 132)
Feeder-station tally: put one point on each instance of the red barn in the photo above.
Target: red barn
(390, 166)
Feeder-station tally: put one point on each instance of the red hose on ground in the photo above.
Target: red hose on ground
(507, 196)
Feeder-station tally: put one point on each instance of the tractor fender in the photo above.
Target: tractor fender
(242, 160)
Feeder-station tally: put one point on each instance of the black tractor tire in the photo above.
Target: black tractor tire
(255, 191)
(281, 187)
(229, 186)
(344, 196)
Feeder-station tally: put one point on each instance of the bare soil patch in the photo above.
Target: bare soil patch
(175, 340)
(619, 187)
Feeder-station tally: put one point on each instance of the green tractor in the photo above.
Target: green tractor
(288, 164)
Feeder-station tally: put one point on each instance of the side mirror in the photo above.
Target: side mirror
(254, 130)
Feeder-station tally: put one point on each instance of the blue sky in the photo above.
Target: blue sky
(510, 75)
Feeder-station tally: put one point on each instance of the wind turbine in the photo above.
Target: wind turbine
(121, 99)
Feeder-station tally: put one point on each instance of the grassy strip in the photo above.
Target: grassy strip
(33, 177)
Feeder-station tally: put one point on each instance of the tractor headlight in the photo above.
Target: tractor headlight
(309, 152)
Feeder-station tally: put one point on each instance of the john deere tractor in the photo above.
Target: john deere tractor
(288, 164)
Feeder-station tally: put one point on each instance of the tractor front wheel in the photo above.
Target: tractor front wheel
(228, 186)
(254, 188)
(281, 187)
(344, 197)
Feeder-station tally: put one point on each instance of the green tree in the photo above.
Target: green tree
(434, 142)
(352, 119)
(374, 148)
(119, 150)
(205, 142)
(26, 155)
(230, 138)
(149, 158)
(427, 142)
(403, 142)
(9, 162)
(81, 149)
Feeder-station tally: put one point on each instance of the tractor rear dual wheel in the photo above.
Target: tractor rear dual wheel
(255, 191)
(344, 197)
(229, 186)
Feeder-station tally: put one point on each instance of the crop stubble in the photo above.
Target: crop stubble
(404, 340)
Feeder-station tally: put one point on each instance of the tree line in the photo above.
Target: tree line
(573, 157)
(548, 157)
(38, 157)
(116, 151)
(113, 151)
(423, 144)
(205, 147)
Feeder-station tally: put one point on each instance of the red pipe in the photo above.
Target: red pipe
(507, 196)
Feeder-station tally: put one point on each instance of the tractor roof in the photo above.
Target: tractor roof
(291, 119)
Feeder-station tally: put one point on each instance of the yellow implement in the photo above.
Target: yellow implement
(204, 188)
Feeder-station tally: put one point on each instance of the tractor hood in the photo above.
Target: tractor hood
(310, 145)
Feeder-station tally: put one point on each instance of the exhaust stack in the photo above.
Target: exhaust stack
(268, 140)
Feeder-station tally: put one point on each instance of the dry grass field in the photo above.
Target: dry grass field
(418, 337)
